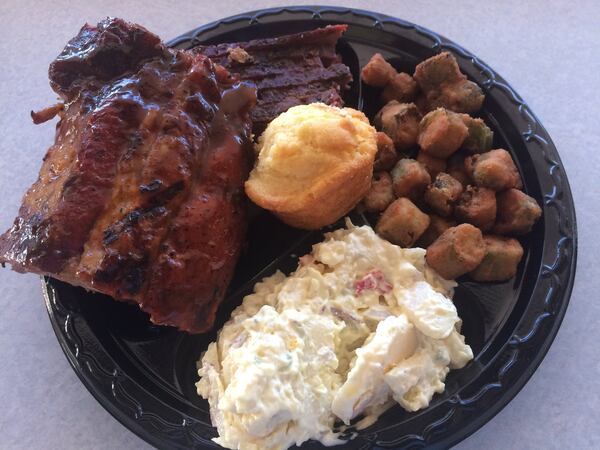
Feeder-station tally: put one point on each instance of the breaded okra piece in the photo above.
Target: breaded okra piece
(442, 194)
(433, 72)
(444, 85)
(401, 87)
(422, 104)
(502, 257)
(455, 166)
(377, 72)
(477, 206)
(463, 97)
(495, 170)
(457, 251)
(432, 165)
(400, 121)
(380, 194)
(517, 212)
(402, 223)
(410, 178)
(437, 225)
(480, 137)
(386, 156)
(441, 133)
(469, 164)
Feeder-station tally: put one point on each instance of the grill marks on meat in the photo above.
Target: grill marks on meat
(141, 196)
(289, 70)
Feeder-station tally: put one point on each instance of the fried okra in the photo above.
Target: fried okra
(437, 225)
(377, 72)
(468, 164)
(401, 87)
(409, 178)
(480, 136)
(400, 121)
(455, 166)
(477, 206)
(422, 104)
(444, 85)
(463, 97)
(495, 170)
(441, 133)
(380, 194)
(502, 257)
(517, 212)
(433, 165)
(457, 251)
(402, 223)
(386, 156)
(442, 194)
(437, 70)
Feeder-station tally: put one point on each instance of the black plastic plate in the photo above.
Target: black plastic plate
(144, 374)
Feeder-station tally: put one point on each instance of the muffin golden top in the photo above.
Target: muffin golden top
(306, 145)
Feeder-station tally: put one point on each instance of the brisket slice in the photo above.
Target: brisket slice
(288, 70)
(141, 195)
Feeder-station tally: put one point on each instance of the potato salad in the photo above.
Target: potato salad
(361, 324)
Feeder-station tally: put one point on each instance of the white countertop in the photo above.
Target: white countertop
(547, 50)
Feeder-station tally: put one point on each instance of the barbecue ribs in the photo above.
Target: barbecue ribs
(141, 195)
(291, 70)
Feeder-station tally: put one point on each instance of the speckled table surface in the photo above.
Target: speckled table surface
(547, 50)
